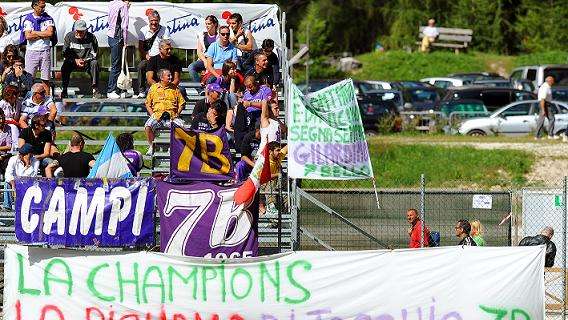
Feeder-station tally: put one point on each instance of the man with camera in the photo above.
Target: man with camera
(80, 53)
(164, 104)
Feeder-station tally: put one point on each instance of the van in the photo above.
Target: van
(537, 74)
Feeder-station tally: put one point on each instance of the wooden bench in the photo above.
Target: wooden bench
(454, 38)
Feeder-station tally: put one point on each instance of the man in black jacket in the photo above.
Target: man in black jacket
(545, 237)
(80, 53)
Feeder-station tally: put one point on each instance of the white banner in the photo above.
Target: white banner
(184, 20)
(445, 283)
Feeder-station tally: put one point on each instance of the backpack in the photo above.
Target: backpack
(434, 239)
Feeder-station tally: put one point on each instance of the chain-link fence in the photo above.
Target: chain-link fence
(352, 216)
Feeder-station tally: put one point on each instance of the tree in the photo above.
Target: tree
(542, 25)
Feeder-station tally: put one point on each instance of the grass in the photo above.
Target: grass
(399, 165)
(401, 65)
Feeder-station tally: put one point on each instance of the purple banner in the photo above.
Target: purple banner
(85, 212)
(201, 220)
(197, 155)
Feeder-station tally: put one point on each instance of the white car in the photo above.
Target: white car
(444, 82)
(516, 119)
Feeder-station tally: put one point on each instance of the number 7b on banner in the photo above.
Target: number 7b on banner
(201, 219)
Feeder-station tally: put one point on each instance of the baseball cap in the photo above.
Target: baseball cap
(26, 148)
(214, 87)
(80, 25)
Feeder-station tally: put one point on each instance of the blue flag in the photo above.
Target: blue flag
(110, 163)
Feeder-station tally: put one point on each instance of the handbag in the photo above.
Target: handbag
(124, 81)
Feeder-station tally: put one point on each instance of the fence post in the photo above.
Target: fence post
(293, 208)
(422, 213)
(564, 273)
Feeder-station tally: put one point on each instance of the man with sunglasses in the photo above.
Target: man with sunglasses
(39, 138)
(39, 32)
(19, 77)
(39, 103)
(219, 52)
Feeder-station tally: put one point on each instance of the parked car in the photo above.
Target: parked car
(443, 82)
(393, 96)
(463, 107)
(375, 85)
(498, 83)
(421, 98)
(523, 84)
(400, 85)
(101, 107)
(560, 93)
(373, 104)
(516, 119)
(537, 74)
(493, 98)
(470, 77)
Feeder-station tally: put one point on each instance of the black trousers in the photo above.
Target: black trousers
(91, 67)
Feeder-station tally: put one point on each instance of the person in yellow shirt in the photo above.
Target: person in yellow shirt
(164, 104)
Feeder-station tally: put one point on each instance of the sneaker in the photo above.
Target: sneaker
(96, 94)
(564, 138)
(113, 95)
(141, 95)
(150, 151)
(553, 137)
(125, 95)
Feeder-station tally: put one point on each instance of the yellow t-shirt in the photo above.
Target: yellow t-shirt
(164, 98)
(275, 164)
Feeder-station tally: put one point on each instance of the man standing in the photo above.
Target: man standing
(545, 237)
(544, 100)
(39, 31)
(219, 52)
(164, 60)
(415, 230)
(80, 53)
(430, 34)
(164, 104)
(149, 38)
(463, 228)
(76, 163)
(117, 39)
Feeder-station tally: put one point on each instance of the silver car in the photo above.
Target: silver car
(516, 119)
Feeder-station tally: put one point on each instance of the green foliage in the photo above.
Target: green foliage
(543, 25)
(548, 57)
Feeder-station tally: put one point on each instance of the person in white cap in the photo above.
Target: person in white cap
(80, 54)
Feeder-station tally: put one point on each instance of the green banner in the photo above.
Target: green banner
(326, 135)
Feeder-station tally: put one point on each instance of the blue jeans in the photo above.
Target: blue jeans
(115, 63)
(8, 198)
(195, 69)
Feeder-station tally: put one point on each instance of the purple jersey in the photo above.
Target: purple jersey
(263, 93)
(135, 161)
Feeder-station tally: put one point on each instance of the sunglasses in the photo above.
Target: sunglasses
(224, 34)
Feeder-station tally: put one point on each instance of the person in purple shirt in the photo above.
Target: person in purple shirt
(117, 39)
(125, 143)
(256, 96)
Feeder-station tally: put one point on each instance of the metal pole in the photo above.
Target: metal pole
(294, 223)
(307, 59)
(565, 197)
(291, 51)
(422, 213)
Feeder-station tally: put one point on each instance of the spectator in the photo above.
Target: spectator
(19, 77)
(218, 53)
(125, 142)
(430, 34)
(248, 148)
(256, 97)
(80, 50)
(544, 100)
(11, 106)
(267, 48)
(230, 79)
(415, 229)
(164, 104)
(204, 40)
(117, 39)
(38, 104)
(213, 93)
(6, 140)
(39, 139)
(242, 39)
(270, 126)
(10, 53)
(477, 232)
(261, 73)
(212, 119)
(39, 31)
(149, 38)
(240, 121)
(20, 165)
(545, 237)
(75, 163)
(164, 60)
(463, 228)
